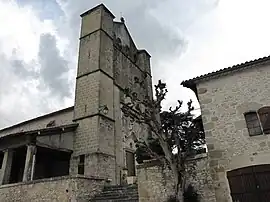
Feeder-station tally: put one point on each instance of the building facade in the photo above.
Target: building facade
(92, 139)
(235, 112)
(69, 155)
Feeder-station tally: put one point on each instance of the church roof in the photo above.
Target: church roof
(226, 71)
(46, 131)
(38, 118)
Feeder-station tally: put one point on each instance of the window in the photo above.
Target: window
(81, 165)
(253, 123)
(258, 122)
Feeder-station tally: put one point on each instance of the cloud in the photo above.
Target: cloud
(52, 66)
(155, 25)
(47, 9)
(39, 54)
(30, 53)
(158, 26)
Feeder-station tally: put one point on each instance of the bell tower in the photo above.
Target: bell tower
(109, 62)
(94, 142)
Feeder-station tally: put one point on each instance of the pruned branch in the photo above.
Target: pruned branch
(171, 130)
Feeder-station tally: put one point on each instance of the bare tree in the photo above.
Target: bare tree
(173, 135)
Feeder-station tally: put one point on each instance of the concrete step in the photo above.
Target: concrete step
(115, 200)
(117, 193)
(121, 187)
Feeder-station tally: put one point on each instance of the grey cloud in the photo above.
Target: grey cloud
(19, 94)
(52, 66)
(148, 21)
(23, 70)
(17, 75)
(156, 25)
(45, 9)
(10, 85)
(148, 33)
(18, 66)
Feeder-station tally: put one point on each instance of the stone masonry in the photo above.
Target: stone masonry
(155, 183)
(92, 137)
(223, 101)
(62, 189)
(108, 63)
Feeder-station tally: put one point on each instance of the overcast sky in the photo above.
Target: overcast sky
(39, 45)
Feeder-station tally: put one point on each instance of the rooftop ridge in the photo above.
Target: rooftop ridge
(37, 118)
(225, 71)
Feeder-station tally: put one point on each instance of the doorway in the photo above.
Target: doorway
(250, 184)
(130, 163)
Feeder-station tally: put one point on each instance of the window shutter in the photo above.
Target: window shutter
(264, 114)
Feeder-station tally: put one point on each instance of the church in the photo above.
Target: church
(74, 151)
(81, 152)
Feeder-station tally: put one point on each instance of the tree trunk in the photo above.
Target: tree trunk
(177, 176)
(177, 182)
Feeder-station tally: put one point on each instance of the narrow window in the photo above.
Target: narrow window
(264, 114)
(81, 165)
(253, 123)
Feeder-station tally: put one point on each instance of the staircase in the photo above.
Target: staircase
(117, 193)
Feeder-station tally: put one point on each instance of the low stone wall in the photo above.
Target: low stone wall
(155, 182)
(60, 189)
(200, 177)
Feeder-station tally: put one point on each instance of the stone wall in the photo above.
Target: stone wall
(61, 117)
(129, 64)
(223, 103)
(155, 182)
(61, 189)
(108, 63)
(95, 135)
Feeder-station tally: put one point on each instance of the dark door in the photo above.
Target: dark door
(130, 161)
(250, 184)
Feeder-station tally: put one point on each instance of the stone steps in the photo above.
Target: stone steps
(118, 193)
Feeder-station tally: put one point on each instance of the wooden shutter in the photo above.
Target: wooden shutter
(264, 113)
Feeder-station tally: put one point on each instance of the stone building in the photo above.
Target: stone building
(69, 155)
(89, 143)
(235, 112)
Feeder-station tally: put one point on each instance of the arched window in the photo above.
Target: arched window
(253, 123)
(264, 114)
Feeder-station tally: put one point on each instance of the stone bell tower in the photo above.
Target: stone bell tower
(108, 61)
(94, 140)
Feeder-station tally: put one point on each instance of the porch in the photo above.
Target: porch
(34, 155)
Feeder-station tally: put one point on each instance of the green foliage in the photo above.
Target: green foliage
(142, 149)
(191, 136)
